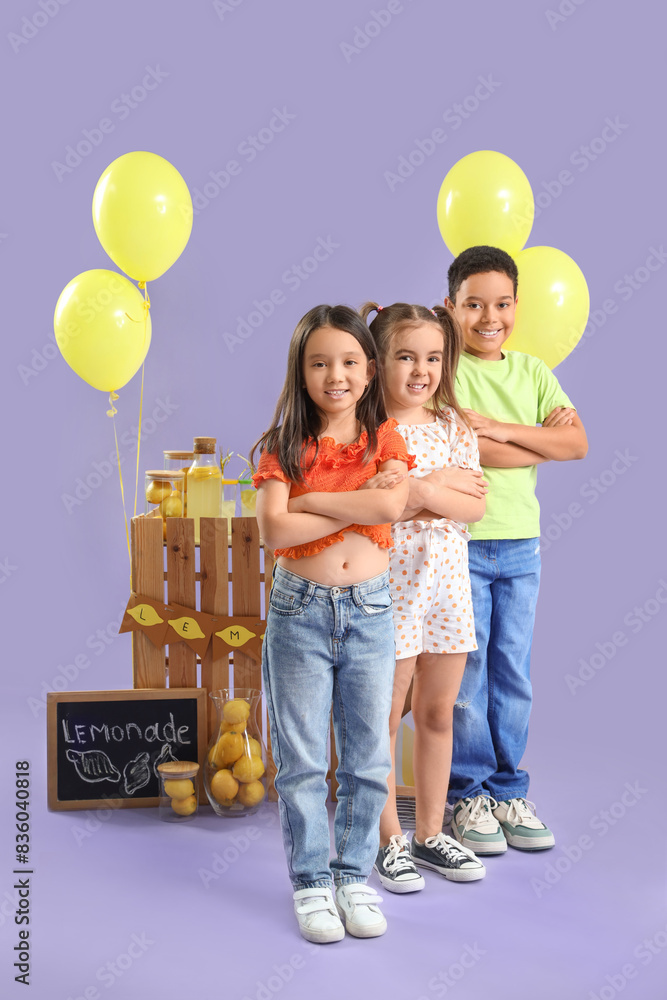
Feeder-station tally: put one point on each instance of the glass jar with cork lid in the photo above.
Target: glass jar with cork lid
(204, 481)
(180, 461)
(179, 794)
(163, 492)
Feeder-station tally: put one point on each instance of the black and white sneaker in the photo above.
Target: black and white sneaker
(395, 867)
(444, 855)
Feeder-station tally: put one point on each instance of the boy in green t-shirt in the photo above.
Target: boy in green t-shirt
(506, 394)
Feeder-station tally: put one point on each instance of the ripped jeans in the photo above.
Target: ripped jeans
(493, 707)
(324, 647)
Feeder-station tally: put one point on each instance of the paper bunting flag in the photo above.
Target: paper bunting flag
(145, 615)
(168, 623)
(191, 627)
(242, 634)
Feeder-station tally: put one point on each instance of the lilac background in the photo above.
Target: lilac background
(98, 881)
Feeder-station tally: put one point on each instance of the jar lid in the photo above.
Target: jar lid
(179, 456)
(166, 474)
(178, 768)
(204, 446)
(229, 482)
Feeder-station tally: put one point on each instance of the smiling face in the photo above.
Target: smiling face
(412, 369)
(336, 371)
(485, 307)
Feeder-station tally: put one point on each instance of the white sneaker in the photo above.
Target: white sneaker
(521, 826)
(475, 826)
(357, 905)
(317, 915)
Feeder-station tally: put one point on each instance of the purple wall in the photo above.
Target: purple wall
(221, 73)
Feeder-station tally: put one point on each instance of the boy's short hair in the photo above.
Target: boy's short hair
(480, 260)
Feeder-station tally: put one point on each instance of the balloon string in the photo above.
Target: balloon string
(112, 413)
(147, 305)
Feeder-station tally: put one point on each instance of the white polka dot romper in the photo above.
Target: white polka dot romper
(428, 565)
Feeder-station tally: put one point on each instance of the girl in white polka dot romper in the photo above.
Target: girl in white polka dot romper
(419, 351)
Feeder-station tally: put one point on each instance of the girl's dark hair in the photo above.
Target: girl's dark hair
(480, 260)
(296, 422)
(391, 320)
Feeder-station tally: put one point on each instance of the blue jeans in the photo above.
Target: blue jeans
(324, 646)
(493, 707)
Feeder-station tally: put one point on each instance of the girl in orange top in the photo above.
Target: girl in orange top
(331, 477)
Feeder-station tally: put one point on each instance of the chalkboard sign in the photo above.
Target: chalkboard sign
(104, 747)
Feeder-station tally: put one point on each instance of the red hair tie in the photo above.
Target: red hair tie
(378, 309)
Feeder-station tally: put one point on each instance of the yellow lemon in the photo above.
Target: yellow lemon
(157, 490)
(248, 769)
(251, 793)
(184, 807)
(236, 727)
(172, 506)
(236, 710)
(224, 787)
(228, 749)
(253, 746)
(179, 788)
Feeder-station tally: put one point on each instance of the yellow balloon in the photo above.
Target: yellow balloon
(553, 304)
(142, 213)
(100, 329)
(486, 200)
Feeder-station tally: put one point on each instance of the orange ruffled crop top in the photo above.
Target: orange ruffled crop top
(339, 469)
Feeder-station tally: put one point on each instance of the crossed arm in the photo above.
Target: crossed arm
(503, 445)
(284, 523)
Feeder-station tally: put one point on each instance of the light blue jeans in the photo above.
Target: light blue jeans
(324, 646)
(493, 707)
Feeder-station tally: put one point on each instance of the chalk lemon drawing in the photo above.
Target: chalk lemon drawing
(93, 765)
(136, 773)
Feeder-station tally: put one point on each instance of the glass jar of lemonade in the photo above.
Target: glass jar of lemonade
(204, 481)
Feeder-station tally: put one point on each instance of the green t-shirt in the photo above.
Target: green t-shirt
(519, 389)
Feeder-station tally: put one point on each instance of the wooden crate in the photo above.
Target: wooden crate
(204, 578)
(207, 578)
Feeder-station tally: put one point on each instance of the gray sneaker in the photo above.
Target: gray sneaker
(395, 868)
(521, 826)
(475, 826)
(443, 855)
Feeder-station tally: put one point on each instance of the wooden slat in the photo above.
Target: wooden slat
(246, 599)
(213, 574)
(148, 661)
(181, 589)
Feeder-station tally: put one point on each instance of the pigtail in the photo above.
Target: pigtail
(368, 308)
(453, 348)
